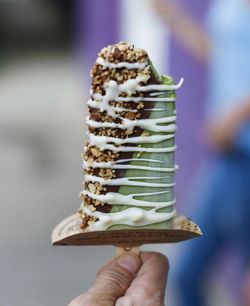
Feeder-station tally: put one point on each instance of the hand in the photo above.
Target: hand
(220, 134)
(163, 8)
(128, 280)
(185, 26)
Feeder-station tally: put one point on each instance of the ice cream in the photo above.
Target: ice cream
(128, 159)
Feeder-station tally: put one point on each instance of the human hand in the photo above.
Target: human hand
(163, 8)
(185, 26)
(219, 134)
(128, 280)
(222, 132)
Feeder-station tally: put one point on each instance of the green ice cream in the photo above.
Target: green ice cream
(129, 157)
(168, 109)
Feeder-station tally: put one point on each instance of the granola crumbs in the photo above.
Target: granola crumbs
(123, 52)
(93, 153)
(86, 221)
(131, 110)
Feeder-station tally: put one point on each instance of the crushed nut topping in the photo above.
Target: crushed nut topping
(121, 52)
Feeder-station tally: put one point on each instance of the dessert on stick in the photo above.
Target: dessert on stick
(128, 158)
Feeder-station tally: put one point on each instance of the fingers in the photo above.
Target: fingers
(148, 288)
(129, 280)
(111, 283)
(154, 273)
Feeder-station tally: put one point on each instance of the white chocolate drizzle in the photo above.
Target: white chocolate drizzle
(136, 215)
(129, 181)
(121, 199)
(113, 165)
(104, 143)
(127, 65)
(139, 149)
(147, 124)
(133, 216)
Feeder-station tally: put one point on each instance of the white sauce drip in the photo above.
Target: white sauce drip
(128, 181)
(126, 65)
(154, 109)
(134, 216)
(103, 141)
(147, 124)
(113, 91)
(120, 161)
(139, 149)
(121, 199)
(113, 165)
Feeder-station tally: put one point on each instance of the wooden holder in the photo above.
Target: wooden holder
(120, 251)
(67, 232)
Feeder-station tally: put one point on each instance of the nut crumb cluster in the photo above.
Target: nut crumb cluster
(121, 52)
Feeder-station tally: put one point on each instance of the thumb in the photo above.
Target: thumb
(111, 282)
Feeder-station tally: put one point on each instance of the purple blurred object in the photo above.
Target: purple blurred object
(190, 107)
(98, 26)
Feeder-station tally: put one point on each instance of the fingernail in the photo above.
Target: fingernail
(129, 262)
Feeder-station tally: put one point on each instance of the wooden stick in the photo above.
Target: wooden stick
(123, 250)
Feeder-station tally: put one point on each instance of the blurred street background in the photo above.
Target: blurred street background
(46, 51)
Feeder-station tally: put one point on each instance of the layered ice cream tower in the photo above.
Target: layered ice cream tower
(128, 158)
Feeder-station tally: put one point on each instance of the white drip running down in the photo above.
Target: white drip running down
(147, 124)
(103, 143)
(113, 165)
(140, 149)
(131, 86)
(104, 140)
(121, 199)
(129, 181)
(126, 65)
(134, 216)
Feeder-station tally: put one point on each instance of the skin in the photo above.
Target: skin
(128, 280)
(219, 134)
(185, 27)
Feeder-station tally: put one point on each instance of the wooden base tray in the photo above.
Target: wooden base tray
(67, 232)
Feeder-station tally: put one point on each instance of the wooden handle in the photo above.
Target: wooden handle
(120, 251)
(68, 232)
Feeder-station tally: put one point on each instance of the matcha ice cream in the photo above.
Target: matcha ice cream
(128, 159)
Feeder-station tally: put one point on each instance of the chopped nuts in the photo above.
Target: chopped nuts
(130, 115)
(92, 188)
(96, 152)
(131, 110)
(106, 173)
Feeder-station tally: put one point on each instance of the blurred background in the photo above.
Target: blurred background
(46, 51)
